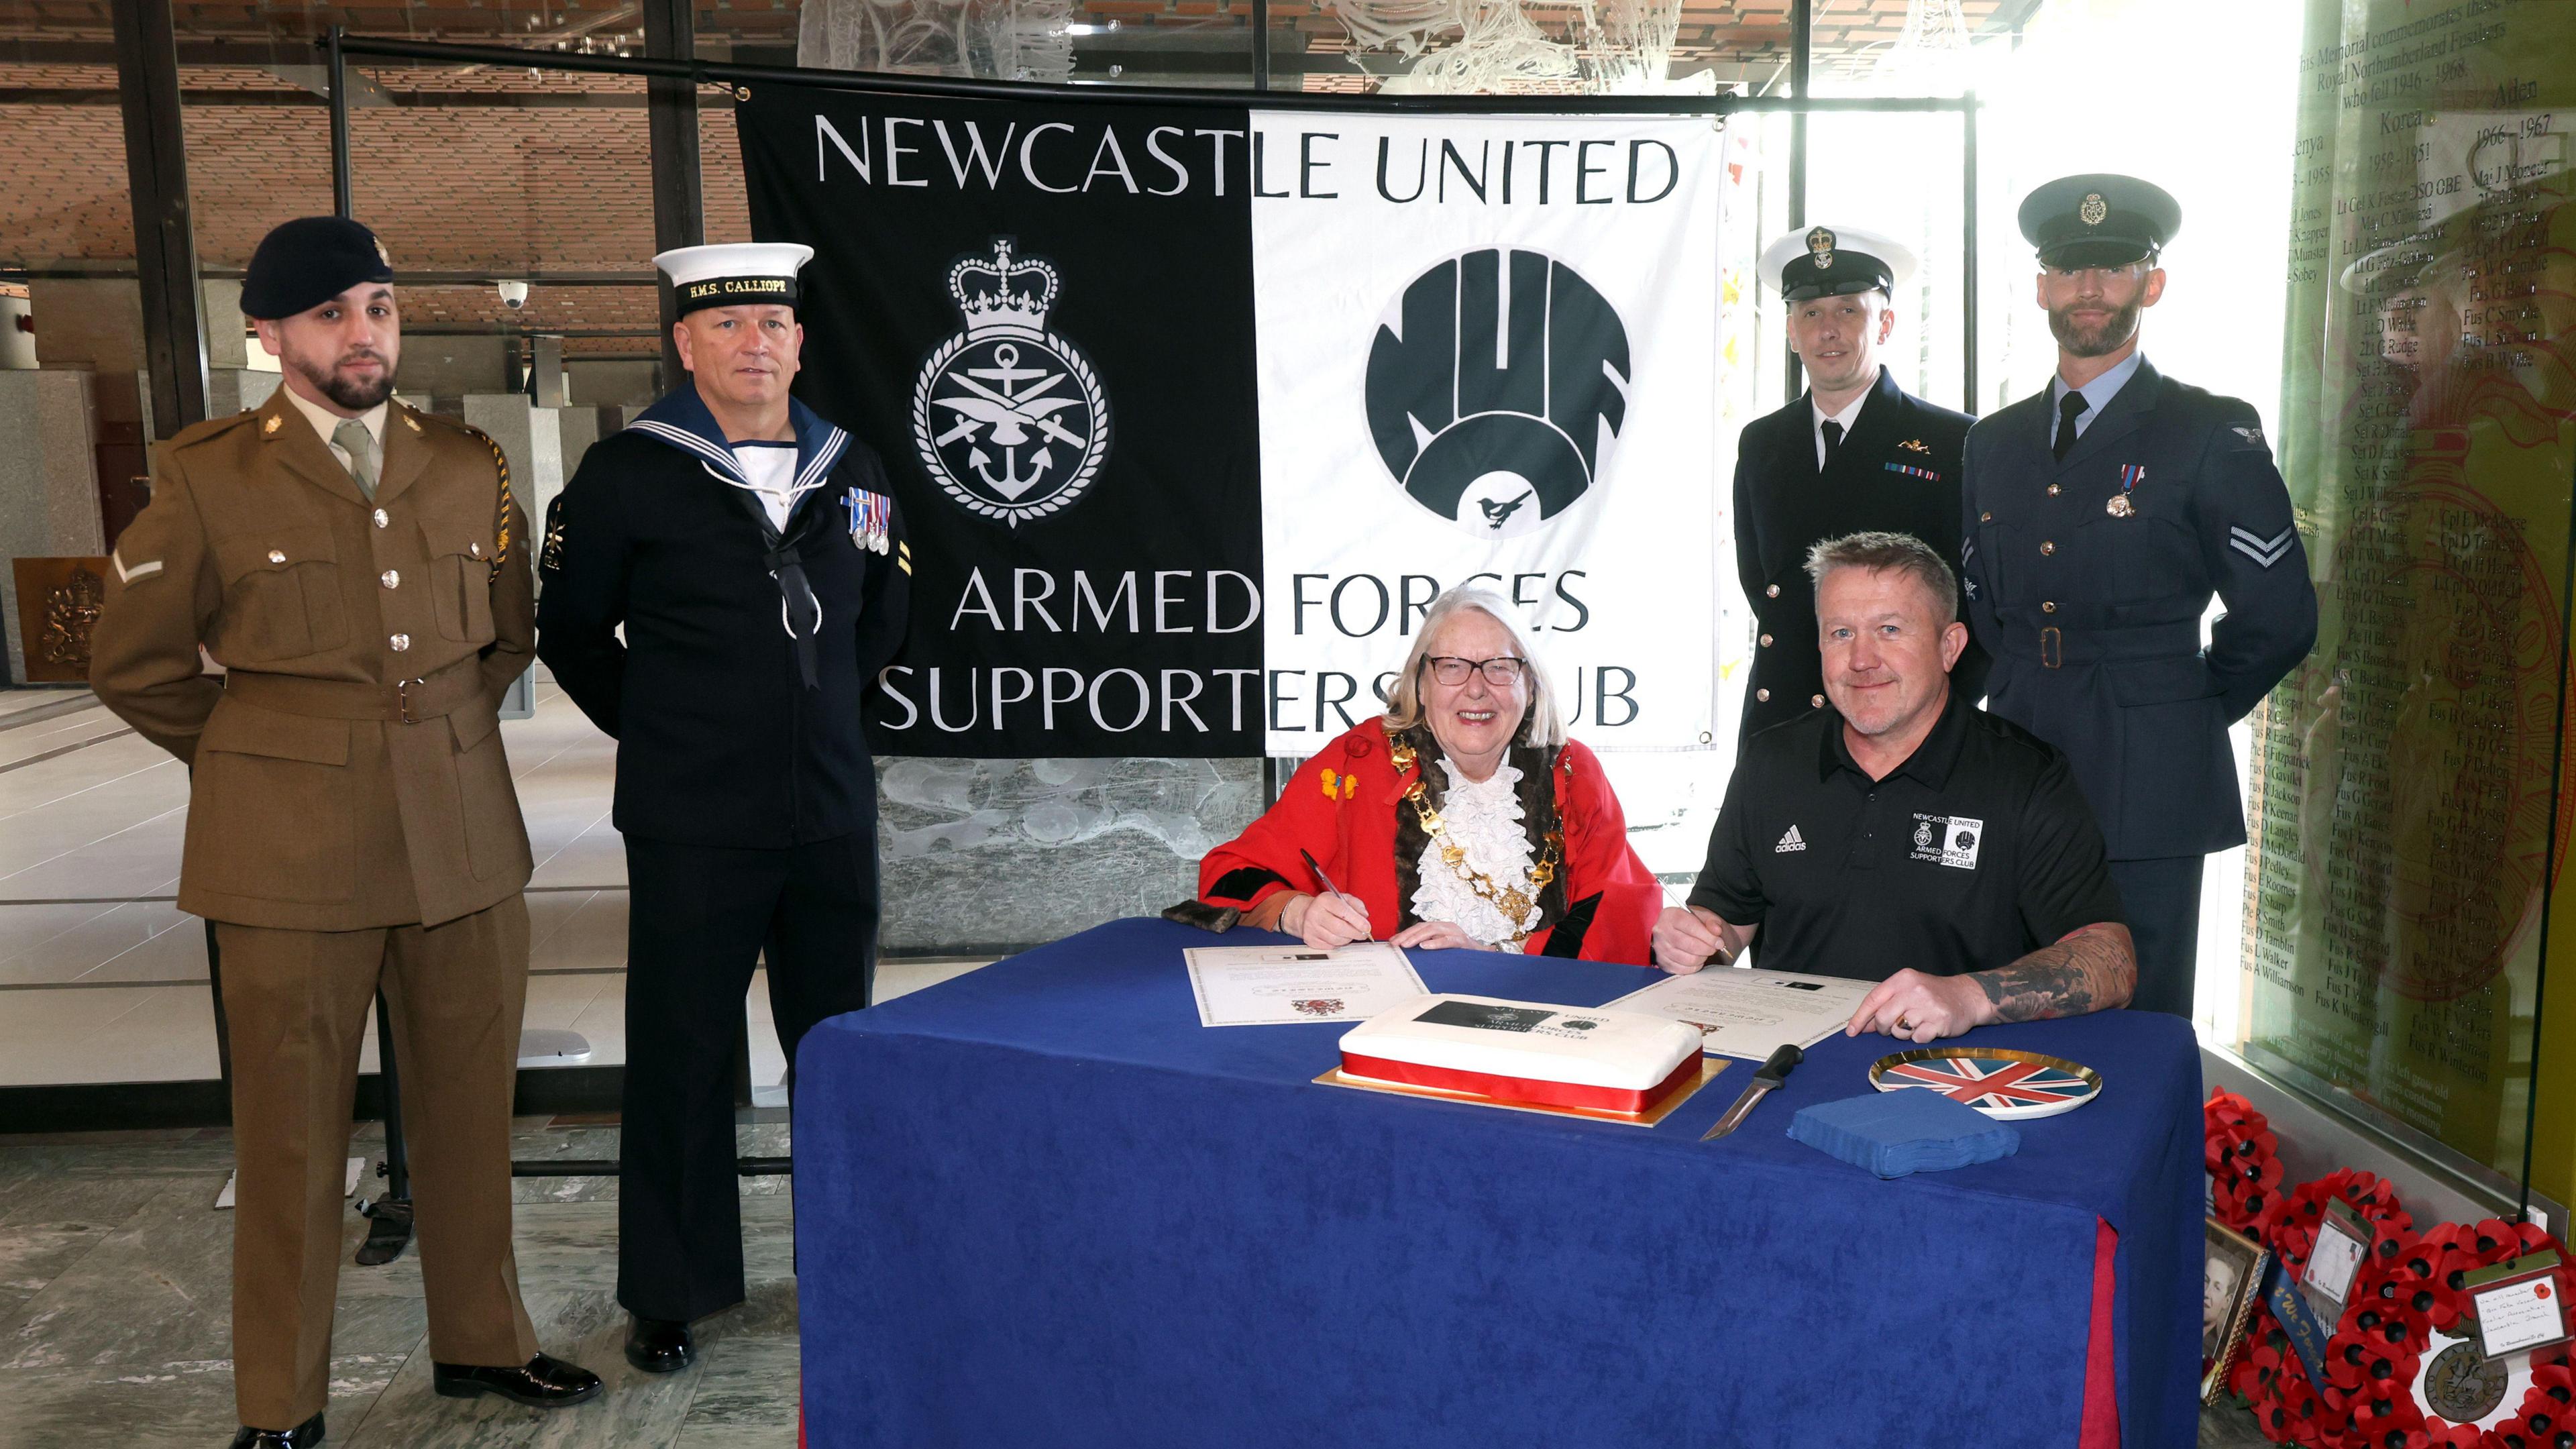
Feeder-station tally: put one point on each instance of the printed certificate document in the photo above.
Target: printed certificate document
(1750, 1012)
(1276, 985)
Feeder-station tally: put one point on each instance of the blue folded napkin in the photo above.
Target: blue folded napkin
(1895, 1133)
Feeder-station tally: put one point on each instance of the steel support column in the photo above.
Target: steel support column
(1261, 45)
(1968, 255)
(1802, 59)
(671, 120)
(165, 246)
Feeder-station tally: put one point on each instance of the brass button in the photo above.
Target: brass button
(391, 578)
(1772, 592)
(1766, 641)
(1763, 695)
(2047, 546)
(277, 555)
(2048, 606)
(1815, 701)
(400, 642)
(381, 519)
(2052, 490)
(1985, 518)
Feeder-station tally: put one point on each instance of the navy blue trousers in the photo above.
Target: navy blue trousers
(699, 918)
(2161, 899)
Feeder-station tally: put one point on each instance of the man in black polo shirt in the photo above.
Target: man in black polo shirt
(1902, 833)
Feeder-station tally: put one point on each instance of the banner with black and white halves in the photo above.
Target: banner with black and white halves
(1488, 351)
(1191, 411)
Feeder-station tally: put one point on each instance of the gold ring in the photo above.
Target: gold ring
(1902, 1024)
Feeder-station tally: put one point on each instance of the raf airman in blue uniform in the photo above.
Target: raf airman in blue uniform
(2102, 514)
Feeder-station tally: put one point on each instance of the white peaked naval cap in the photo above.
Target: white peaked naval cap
(735, 274)
(1825, 260)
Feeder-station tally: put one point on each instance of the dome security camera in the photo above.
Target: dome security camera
(514, 295)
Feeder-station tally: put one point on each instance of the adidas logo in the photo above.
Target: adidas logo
(1789, 842)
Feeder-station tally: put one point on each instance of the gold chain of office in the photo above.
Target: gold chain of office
(1512, 901)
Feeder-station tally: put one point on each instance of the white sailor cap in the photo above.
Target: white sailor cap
(1831, 261)
(735, 274)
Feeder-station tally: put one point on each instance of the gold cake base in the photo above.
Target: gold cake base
(1709, 1067)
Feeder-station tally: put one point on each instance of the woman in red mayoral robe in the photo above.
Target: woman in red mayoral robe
(1463, 818)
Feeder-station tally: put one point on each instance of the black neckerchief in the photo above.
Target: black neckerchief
(798, 608)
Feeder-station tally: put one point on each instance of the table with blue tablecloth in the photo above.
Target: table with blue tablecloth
(1040, 1205)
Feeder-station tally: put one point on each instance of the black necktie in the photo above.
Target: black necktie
(2069, 408)
(1833, 432)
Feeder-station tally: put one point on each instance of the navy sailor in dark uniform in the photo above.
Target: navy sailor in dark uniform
(1856, 453)
(752, 554)
(2102, 514)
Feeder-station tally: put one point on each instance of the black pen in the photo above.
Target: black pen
(1328, 884)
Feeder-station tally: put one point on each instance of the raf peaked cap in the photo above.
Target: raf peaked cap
(734, 274)
(2099, 220)
(1831, 261)
(307, 262)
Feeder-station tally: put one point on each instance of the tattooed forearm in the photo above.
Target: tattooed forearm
(2092, 969)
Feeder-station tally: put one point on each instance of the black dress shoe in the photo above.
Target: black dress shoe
(540, 1383)
(660, 1345)
(302, 1436)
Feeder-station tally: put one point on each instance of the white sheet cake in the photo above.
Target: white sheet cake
(1504, 1041)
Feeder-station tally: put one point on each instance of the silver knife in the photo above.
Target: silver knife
(1774, 1071)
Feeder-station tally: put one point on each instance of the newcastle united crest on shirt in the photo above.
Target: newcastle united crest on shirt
(1496, 386)
(1008, 417)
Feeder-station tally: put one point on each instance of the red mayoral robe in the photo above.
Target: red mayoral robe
(1347, 807)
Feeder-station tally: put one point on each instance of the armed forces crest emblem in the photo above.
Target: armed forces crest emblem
(1009, 418)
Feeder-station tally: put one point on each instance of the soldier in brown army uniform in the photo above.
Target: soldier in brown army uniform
(361, 573)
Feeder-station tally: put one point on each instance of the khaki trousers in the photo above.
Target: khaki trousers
(298, 1003)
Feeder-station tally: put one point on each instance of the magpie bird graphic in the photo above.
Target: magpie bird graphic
(1496, 513)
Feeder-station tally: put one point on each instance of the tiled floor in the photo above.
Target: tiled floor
(102, 979)
(116, 1292)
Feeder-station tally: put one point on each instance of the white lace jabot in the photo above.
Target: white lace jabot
(1484, 818)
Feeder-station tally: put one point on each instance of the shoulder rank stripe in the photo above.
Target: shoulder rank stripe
(1911, 471)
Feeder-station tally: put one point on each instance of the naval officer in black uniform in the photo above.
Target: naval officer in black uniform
(752, 554)
(1855, 454)
(2102, 514)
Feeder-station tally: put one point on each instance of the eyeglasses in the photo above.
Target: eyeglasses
(1449, 669)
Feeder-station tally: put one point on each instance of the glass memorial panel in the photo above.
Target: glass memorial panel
(2406, 783)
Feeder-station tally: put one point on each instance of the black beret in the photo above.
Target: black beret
(2099, 220)
(307, 262)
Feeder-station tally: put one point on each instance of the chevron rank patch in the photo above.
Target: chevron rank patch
(127, 575)
(2264, 551)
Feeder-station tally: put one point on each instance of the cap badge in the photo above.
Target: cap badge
(381, 254)
(2094, 209)
(1821, 243)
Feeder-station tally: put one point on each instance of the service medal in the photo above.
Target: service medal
(2119, 506)
(871, 519)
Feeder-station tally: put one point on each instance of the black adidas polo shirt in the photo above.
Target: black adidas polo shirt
(1976, 851)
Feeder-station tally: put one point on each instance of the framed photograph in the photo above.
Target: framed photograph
(2231, 1283)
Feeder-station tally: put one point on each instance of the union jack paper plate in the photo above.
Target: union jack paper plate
(2004, 1084)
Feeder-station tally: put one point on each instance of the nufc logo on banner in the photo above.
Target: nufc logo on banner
(1496, 386)
(1007, 416)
